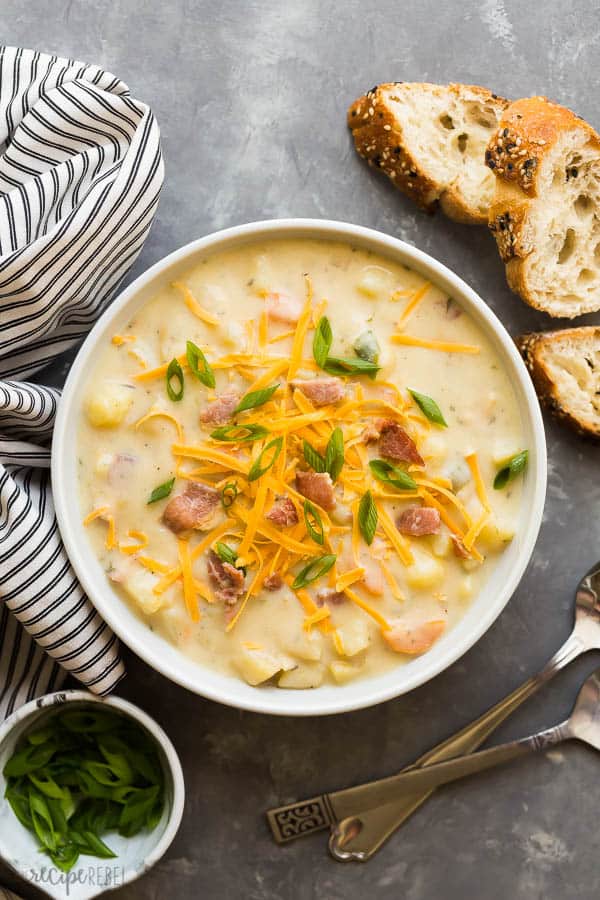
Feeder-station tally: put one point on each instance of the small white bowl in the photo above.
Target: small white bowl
(164, 657)
(90, 877)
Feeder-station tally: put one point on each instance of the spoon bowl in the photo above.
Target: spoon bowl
(584, 721)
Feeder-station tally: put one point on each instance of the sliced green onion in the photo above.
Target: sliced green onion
(199, 364)
(239, 434)
(322, 341)
(334, 454)
(84, 774)
(389, 474)
(339, 365)
(163, 490)
(228, 554)
(367, 517)
(313, 457)
(229, 493)
(429, 408)
(225, 553)
(313, 571)
(314, 522)
(255, 399)
(511, 469)
(175, 372)
(259, 466)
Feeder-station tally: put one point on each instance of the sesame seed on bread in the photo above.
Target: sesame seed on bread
(545, 212)
(565, 369)
(429, 139)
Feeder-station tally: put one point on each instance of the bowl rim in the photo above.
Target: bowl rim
(76, 695)
(274, 702)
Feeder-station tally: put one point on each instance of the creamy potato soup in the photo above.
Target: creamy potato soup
(299, 462)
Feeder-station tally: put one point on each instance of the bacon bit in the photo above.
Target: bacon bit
(227, 581)
(273, 582)
(117, 574)
(331, 596)
(459, 548)
(194, 508)
(373, 580)
(220, 411)
(283, 308)
(413, 640)
(231, 611)
(120, 467)
(396, 444)
(321, 391)
(419, 520)
(316, 486)
(283, 512)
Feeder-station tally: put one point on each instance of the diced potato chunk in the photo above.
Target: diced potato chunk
(103, 463)
(309, 675)
(465, 588)
(139, 586)
(503, 451)
(425, 571)
(108, 406)
(262, 279)
(343, 671)
(434, 447)
(306, 645)
(233, 334)
(353, 637)
(459, 474)
(367, 346)
(373, 281)
(169, 343)
(257, 666)
(441, 544)
(495, 535)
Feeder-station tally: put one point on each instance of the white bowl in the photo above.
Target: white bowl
(327, 699)
(90, 877)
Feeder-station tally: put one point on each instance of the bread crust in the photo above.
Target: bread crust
(379, 138)
(528, 130)
(531, 347)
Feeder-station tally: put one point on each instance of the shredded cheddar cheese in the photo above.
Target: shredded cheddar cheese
(473, 463)
(159, 371)
(189, 590)
(349, 578)
(96, 514)
(374, 613)
(444, 346)
(231, 489)
(141, 539)
(412, 305)
(398, 541)
(119, 339)
(161, 414)
(315, 618)
(193, 305)
(300, 334)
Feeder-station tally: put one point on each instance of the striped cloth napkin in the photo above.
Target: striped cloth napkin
(80, 176)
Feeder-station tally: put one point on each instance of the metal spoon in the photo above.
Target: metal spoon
(583, 724)
(357, 835)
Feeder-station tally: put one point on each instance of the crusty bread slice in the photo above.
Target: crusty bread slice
(430, 139)
(565, 368)
(545, 214)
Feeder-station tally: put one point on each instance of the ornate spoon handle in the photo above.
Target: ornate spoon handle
(429, 777)
(358, 835)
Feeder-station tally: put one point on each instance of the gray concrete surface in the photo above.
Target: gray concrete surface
(251, 100)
